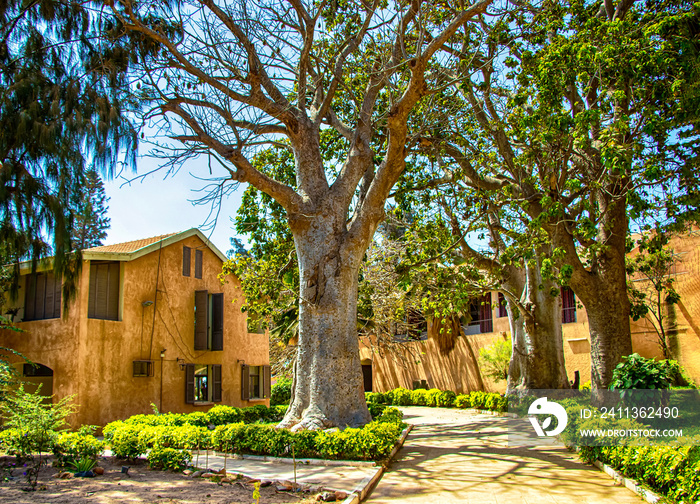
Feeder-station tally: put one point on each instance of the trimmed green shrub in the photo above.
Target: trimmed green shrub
(462, 401)
(401, 397)
(432, 397)
(673, 471)
(281, 392)
(124, 440)
(169, 459)
(375, 409)
(637, 372)
(71, 446)
(446, 399)
(222, 415)
(419, 397)
(376, 397)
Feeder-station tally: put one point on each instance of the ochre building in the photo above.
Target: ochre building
(152, 325)
(424, 363)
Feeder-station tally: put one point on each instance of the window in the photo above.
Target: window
(198, 264)
(568, 305)
(502, 305)
(186, 256)
(143, 368)
(481, 316)
(36, 370)
(103, 302)
(255, 382)
(202, 383)
(208, 321)
(42, 298)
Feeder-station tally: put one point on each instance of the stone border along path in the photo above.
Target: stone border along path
(460, 456)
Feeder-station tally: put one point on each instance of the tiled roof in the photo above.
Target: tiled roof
(130, 246)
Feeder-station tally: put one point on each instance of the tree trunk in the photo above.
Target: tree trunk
(538, 351)
(603, 291)
(328, 389)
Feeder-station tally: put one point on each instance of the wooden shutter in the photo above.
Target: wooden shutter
(48, 299)
(486, 315)
(92, 294)
(186, 254)
(113, 291)
(217, 322)
(189, 383)
(30, 297)
(198, 264)
(267, 381)
(101, 284)
(201, 319)
(216, 382)
(245, 382)
(57, 297)
(40, 297)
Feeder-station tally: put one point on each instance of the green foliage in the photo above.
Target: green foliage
(91, 221)
(169, 459)
(83, 465)
(124, 440)
(375, 409)
(438, 398)
(637, 372)
(672, 471)
(376, 397)
(400, 397)
(33, 425)
(71, 446)
(372, 442)
(495, 359)
(281, 392)
(446, 399)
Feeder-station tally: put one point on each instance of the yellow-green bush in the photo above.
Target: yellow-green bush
(169, 459)
(71, 446)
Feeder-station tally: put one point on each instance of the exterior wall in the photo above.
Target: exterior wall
(93, 358)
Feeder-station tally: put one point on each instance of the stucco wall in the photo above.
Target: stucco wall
(93, 358)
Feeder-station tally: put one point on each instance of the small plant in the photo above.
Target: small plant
(256, 492)
(83, 465)
(495, 359)
(637, 372)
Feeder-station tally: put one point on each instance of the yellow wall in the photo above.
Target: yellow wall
(93, 358)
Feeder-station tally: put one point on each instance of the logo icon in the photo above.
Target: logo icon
(543, 407)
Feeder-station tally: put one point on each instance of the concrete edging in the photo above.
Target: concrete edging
(360, 492)
(631, 484)
(287, 460)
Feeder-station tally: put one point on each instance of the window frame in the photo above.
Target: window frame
(113, 291)
(568, 305)
(209, 311)
(264, 385)
(213, 379)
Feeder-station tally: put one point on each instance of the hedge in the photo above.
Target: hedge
(374, 441)
(439, 398)
(218, 415)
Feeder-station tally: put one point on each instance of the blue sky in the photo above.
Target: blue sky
(161, 204)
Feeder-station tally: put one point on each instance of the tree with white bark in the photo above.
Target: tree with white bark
(226, 79)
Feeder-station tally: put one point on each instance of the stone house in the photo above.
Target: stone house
(151, 325)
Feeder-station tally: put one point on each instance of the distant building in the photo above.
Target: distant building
(151, 324)
(422, 363)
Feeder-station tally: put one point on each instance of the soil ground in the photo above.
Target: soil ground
(140, 485)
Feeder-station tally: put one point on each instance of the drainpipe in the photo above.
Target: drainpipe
(162, 356)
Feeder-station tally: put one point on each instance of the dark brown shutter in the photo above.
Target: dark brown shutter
(245, 382)
(201, 319)
(48, 300)
(217, 322)
(40, 298)
(101, 284)
(267, 381)
(189, 383)
(30, 297)
(92, 301)
(57, 298)
(186, 254)
(198, 264)
(216, 381)
(112, 308)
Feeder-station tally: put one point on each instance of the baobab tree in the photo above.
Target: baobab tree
(226, 79)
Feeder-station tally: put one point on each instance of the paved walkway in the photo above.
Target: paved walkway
(460, 456)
